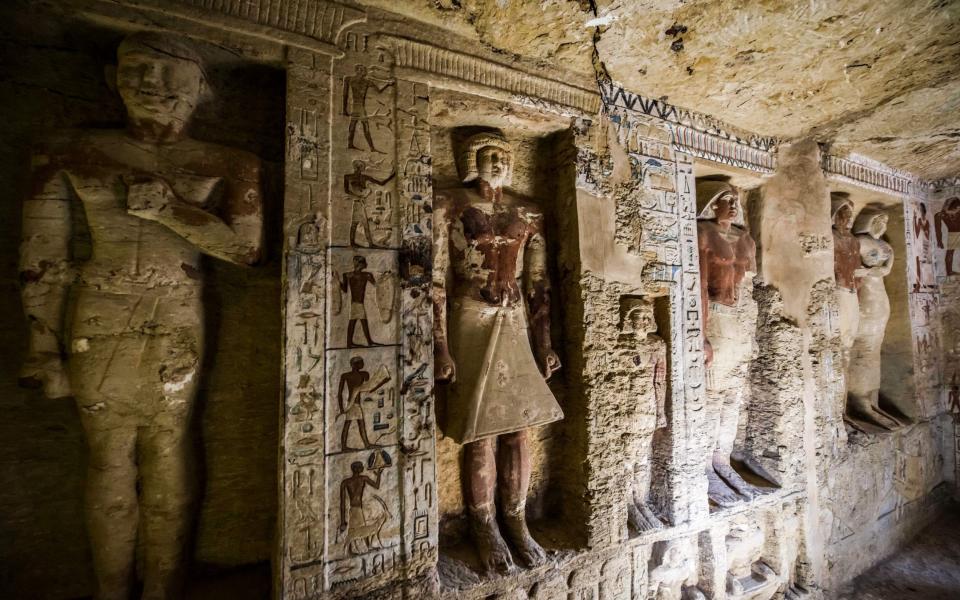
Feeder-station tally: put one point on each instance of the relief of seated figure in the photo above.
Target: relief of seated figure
(748, 577)
(492, 343)
(122, 331)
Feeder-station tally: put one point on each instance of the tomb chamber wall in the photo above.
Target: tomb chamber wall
(662, 432)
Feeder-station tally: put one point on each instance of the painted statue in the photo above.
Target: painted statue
(749, 577)
(130, 346)
(643, 358)
(675, 577)
(949, 217)
(727, 266)
(492, 344)
(846, 270)
(863, 374)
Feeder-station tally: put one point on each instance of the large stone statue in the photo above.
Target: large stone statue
(130, 346)
(727, 265)
(863, 374)
(490, 275)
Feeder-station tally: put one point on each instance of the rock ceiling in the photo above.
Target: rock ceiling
(878, 78)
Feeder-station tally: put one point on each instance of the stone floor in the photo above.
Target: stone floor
(927, 569)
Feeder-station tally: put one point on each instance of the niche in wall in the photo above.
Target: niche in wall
(537, 140)
(897, 394)
(58, 83)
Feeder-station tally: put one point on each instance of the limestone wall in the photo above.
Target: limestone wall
(322, 424)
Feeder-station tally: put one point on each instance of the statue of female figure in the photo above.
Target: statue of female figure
(863, 375)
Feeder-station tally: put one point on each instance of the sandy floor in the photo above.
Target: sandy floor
(926, 569)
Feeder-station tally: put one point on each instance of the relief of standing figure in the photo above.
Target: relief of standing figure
(355, 90)
(492, 342)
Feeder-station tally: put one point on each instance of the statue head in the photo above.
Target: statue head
(952, 205)
(719, 201)
(872, 220)
(639, 317)
(488, 157)
(841, 210)
(160, 78)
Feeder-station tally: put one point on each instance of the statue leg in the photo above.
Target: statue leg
(731, 406)
(948, 259)
(167, 506)
(480, 476)
(112, 511)
(165, 451)
(718, 491)
(513, 470)
(639, 514)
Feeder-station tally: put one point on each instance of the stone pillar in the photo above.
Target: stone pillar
(359, 507)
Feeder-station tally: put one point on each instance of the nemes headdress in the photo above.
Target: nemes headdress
(708, 192)
(473, 145)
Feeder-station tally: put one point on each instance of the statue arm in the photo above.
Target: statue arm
(937, 221)
(238, 238)
(537, 289)
(442, 277)
(45, 276)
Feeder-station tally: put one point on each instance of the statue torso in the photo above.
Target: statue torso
(728, 256)
(487, 241)
(846, 258)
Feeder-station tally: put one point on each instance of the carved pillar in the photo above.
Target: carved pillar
(358, 460)
(302, 474)
(689, 454)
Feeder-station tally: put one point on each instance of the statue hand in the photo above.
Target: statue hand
(550, 363)
(47, 371)
(444, 367)
(147, 196)
(707, 352)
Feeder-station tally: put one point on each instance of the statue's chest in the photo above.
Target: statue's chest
(496, 229)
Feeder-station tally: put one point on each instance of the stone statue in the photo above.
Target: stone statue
(863, 374)
(846, 269)
(748, 576)
(131, 345)
(490, 275)
(727, 266)
(671, 579)
(949, 216)
(643, 349)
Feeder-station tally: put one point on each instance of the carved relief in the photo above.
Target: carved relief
(748, 576)
(675, 575)
(155, 200)
(946, 227)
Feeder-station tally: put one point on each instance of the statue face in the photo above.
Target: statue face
(495, 166)
(843, 217)
(158, 87)
(878, 226)
(725, 208)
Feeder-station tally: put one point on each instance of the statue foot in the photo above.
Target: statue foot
(719, 492)
(641, 518)
(494, 554)
(887, 416)
(737, 483)
(531, 553)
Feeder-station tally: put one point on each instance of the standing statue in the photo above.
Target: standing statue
(949, 216)
(847, 268)
(863, 374)
(727, 265)
(131, 346)
(490, 274)
(641, 349)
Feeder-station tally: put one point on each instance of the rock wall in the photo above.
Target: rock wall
(360, 117)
